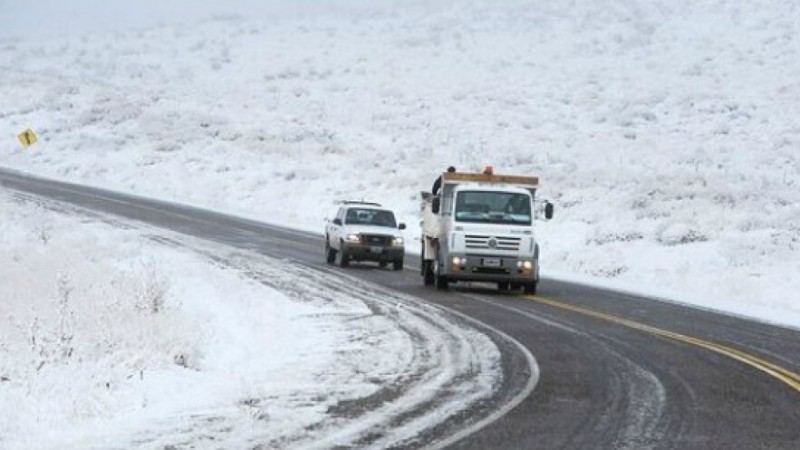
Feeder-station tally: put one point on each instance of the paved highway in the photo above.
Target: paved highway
(617, 371)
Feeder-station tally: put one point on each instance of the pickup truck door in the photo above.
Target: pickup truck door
(335, 231)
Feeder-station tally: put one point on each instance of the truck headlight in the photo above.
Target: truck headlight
(526, 265)
(457, 261)
(353, 238)
(397, 242)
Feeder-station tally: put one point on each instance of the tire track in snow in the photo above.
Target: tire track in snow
(453, 378)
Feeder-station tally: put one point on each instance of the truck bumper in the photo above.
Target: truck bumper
(491, 268)
(360, 252)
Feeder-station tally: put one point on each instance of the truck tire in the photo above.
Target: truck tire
(530, 288)
(427, 273)
(515, 286)
(503, 285)
(382, 264)
(344, 258)
(423, 269)
(398, 264)
(442, 282)
(330, 254)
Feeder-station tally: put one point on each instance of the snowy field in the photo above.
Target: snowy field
(666, 132)
(114, 337)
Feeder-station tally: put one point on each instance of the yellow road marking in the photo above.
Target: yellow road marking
(786, 376)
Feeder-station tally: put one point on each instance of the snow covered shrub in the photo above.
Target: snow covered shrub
(80, 325)
(679, 233)
(152, 292)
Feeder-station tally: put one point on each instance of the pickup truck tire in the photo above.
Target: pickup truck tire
(530, 288)
(515, 286)
(330, 254)
(503, 285)
(382, 264)
(344, 258)
(398, 264)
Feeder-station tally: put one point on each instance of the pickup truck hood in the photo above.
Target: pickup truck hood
(370, 229)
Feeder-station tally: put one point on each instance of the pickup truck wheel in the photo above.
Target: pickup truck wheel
(344, 258)
(530, 288)
(398, 264)
(515, 286)
(427, 273)
(503, 286)
(330, 254)
(382, 264)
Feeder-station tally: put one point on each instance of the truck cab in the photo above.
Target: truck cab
(481, 228)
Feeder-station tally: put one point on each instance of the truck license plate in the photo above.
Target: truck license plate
(491, 262)
(375, 249)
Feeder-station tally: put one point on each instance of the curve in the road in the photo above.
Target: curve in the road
(626, 382)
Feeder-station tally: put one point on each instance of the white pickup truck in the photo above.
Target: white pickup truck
(364, 231)
(481, 228)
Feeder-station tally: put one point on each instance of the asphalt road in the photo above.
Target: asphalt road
(617, 371)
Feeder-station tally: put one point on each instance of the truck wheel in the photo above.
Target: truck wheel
(382, 264)
(398, 264)
(515, 286)
(530, 288)
(502, 286)
(344, 258)
(441, 282)
(427, 273)
(330, 254)
(422, 267)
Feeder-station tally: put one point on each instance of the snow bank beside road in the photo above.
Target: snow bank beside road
(117, 338)
(100, 326)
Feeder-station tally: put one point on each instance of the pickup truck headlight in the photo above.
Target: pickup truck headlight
(397, 242)
(353, 238)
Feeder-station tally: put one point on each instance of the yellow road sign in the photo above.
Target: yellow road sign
(27, 138)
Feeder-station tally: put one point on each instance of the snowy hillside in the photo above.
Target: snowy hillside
(666, 132)
(112, 337)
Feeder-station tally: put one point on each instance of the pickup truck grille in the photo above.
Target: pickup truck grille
(376, 239)
(492, 242)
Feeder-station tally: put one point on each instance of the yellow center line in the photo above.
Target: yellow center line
(786, 376)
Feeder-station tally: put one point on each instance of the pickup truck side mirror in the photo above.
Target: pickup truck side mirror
(435, 203)
(548, 210)
(402, 226)
(337, 221)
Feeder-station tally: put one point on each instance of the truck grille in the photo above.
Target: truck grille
(492, 242)
(376, 239)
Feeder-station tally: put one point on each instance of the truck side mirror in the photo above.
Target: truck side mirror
(435, 205)
(402, 226)
(548, 211)
(337, 221)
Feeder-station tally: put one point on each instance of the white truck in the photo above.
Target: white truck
(480, 227)
(364, 231)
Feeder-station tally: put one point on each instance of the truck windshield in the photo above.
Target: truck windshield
(377, 217)
(493, 207)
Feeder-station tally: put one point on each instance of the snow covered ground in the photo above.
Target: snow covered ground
(114, 337)
(666, 132)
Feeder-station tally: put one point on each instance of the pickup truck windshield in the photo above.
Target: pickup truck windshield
(377, 217)
(493, 207)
